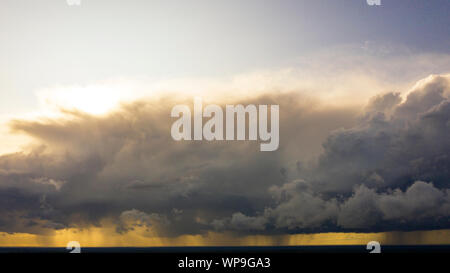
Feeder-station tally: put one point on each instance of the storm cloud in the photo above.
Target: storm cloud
(388, 172)
(387, 168)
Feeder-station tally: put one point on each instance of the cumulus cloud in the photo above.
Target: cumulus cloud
(371, 176)
(385, 169)
(420, 206)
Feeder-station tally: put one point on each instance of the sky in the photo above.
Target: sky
(86, 93)
(46, 43)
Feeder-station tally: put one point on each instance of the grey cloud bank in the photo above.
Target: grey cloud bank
(389, 172)
(389, 169)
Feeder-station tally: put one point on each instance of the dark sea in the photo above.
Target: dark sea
(238, 249)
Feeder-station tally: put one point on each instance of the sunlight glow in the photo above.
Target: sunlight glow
(93, 99)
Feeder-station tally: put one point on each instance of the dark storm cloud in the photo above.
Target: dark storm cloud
(391, 171)
(88, 168)
(388, 170)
